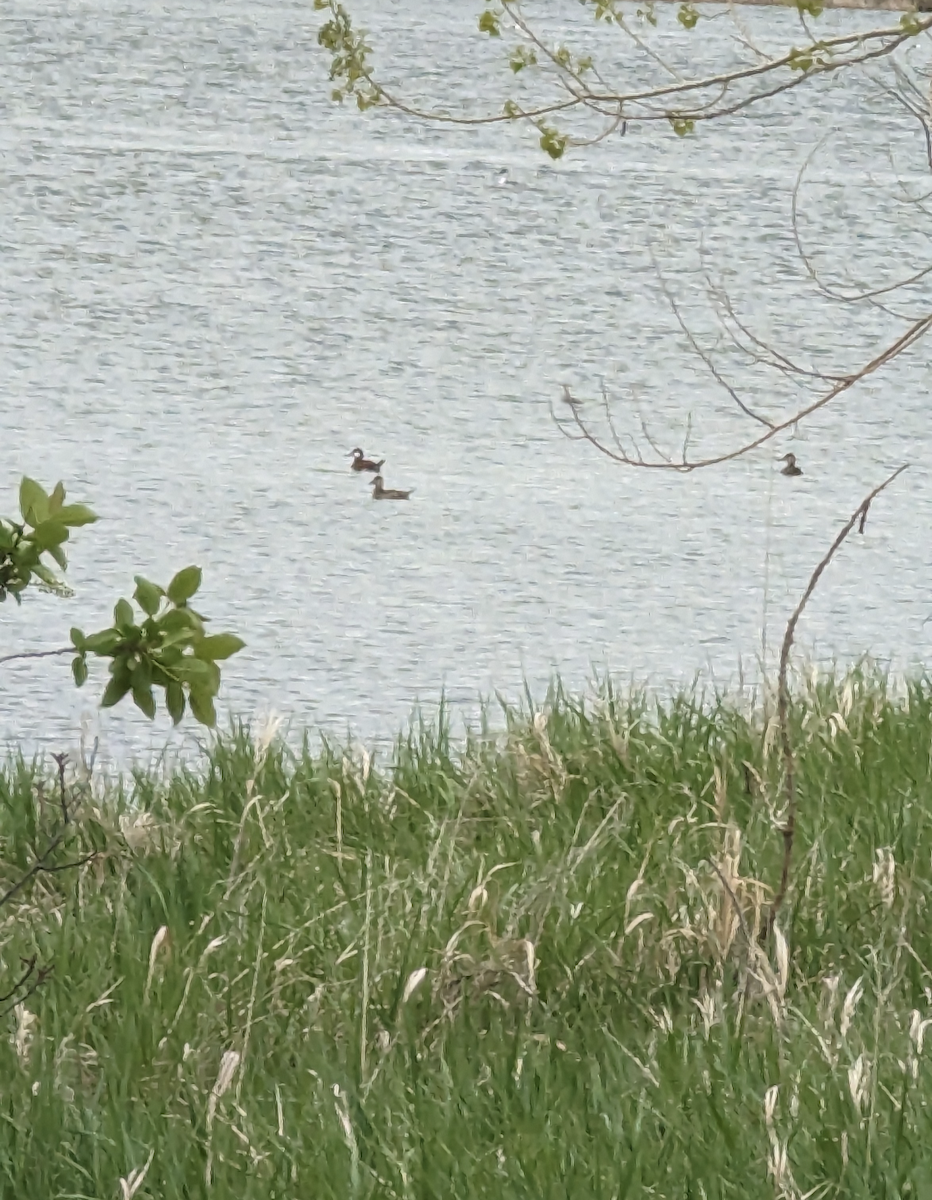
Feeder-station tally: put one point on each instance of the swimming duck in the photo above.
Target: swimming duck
(791, 467)
(381, 492)
(361, 463)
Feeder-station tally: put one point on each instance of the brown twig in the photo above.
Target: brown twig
(858, 517)
(15, 996)
(835, 293)
(41, 864)
(702, 353)
(29, 965)
(37, 654)
(916, 330)
(33, 975)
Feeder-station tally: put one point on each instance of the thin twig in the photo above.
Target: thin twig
(30, 966)
(916, 330)
(36, 654)
(703, 354)
(834, 293)
(851, 49)
(41, 864)
(37, 981)
(858, 517)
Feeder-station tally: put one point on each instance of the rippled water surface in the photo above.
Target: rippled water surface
(215, 283)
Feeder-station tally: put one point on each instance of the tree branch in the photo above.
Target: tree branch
(576, 419)
(37, 654)
(858, 517)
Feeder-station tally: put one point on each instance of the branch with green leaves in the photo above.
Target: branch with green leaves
(559, 84)
(163, 645)
(167, 648)
(45, 527)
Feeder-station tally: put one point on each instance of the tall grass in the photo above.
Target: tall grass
(523, 966)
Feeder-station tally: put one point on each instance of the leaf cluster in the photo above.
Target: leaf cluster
(811, 56)
(167, 648)
(349, 53)
(44, 529)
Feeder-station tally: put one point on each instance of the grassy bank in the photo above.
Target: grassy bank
(504, 969)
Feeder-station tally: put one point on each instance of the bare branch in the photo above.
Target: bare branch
(36, 654)
(36, 978)
(703, 354)
(912, 100)
(762, 351)
(41, 862)
(917, 330)
(29, 967)
(827, 291)
(858, 517)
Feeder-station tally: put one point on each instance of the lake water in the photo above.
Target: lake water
(216, 283)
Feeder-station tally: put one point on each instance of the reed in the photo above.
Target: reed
(528, 964)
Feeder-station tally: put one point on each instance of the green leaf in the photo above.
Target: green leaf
(50, 533)
(123, 615)
(219, 646)
(77, 638)
(553, 142)
(148, 596)
(121, 668)
(142, 673)
(33, 502)
(184, 585)
(57, 498)
(688, 16)
(800, 60)
(174, 701)
(180, 621)
(521, 57)
(60, 557)
(682, 126)
(488, 23)
(167, 659)
(144, 700)
(159, 676)
(104, 642)
(79, 670)
(76, 514)
(196, 673)
(114, 692)
(214, 686)
(202, 706)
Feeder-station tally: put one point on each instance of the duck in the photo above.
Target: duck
(791, 468)
(381, 492)
(361, 463)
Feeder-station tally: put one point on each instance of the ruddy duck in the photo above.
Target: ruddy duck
(361, 463)
(791, 467)
(381, 492)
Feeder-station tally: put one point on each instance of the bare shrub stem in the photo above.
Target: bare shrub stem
(858, 517)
